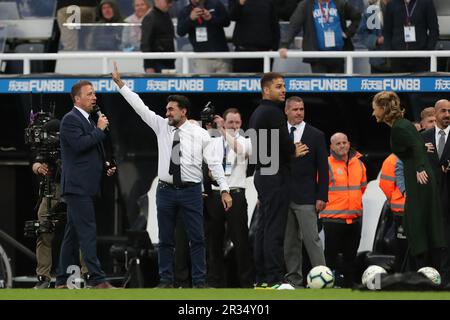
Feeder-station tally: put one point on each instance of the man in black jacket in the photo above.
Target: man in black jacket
(410, 25)
(158, 36)
(203, 21)
(254, 17)
(273, 151)
(440, 160)
(308, 191)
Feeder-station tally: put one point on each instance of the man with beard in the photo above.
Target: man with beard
(273, 150)
(439, 157)
(181, 148)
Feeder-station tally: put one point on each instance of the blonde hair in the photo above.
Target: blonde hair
(390, 102)
(427, 112)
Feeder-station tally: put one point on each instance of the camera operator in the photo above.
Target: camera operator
(234, 149)
(50, 205)
(44, 240)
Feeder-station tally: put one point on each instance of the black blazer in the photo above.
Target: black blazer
(82, 155)
(442, 178)
(309, 174)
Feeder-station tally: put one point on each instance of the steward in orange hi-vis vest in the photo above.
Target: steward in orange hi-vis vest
(388, 184)
(347, 183)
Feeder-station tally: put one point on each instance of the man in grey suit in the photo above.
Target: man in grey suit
(308, 185)
(440, 161)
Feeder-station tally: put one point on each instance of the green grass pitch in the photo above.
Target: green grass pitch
(215, 294)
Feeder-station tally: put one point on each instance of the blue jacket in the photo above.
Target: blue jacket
(81, 154)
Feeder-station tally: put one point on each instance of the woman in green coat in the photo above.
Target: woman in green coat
(423, 217)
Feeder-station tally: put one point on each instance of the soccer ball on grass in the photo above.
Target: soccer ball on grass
(432, 274)
(320, 277)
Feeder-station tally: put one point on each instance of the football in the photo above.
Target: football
(320, 277)
(432, 274)
(370, 272)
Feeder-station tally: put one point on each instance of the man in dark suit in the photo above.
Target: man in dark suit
(82, 168)
(308, 194)
(437, 139)
(271, 176)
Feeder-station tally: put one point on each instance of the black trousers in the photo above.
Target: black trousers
(342, 238)
(400, 244)
(271, 225)
(407, 65)
(330, 65)
(233, 223)
(250, 65)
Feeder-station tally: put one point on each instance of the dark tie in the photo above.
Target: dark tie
(291, 134)
(91, 120)
(441, 143)
(225, 152)
(175, 167)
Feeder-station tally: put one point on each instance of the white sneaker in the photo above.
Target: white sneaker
(285, 286)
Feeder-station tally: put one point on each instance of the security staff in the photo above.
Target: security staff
(342, 215)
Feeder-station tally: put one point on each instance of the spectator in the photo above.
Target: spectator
(131, 37)
(254, 17)
(308, 185)
(158, 36)
(371, 33)
(428, 118)
(107, 37)
(324, 25)
(285, 8)
(423, 221)
(203, 21)
(70, 37)
(108, 12)
(410, 25)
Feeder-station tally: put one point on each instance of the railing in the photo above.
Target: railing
(107, 57)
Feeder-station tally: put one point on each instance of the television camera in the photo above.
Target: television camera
(42, 136)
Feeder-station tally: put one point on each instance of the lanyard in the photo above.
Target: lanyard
(325, 14)
(409, 14)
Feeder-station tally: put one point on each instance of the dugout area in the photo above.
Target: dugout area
(135, 148)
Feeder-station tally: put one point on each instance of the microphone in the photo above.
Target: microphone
(99, 114)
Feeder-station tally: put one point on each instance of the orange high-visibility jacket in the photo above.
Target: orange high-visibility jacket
(347, 183)
(388, 184)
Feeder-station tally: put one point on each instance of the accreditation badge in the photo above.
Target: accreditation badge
(410, 33)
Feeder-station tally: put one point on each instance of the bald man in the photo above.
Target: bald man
(439, 156)
(342, 215)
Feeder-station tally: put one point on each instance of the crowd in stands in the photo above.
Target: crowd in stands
(325, 25)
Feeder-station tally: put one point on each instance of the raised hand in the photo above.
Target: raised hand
(116, 76)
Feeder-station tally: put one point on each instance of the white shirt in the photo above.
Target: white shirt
(238, 162)
(84, 113)
(437, 135)
(298, 134)
(194, 145)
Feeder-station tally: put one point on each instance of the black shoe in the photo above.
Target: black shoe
(200, 285)
(164, 285)
(43, 283)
